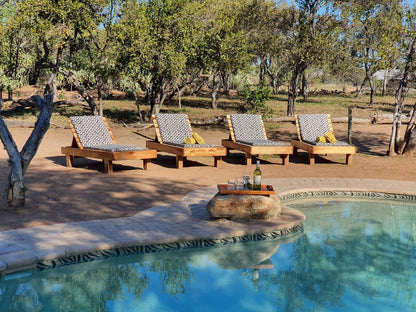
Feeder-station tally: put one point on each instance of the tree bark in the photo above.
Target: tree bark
(214, 91)
(398, 106)
(304, 89)
(410, 135)
(19, 162)
(85, 95)
(294, 86)
(385, 81)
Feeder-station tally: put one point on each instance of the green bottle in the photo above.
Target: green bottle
(257, 177)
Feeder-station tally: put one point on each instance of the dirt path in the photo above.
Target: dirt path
(60, 194)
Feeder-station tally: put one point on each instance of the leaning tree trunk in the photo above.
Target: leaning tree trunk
(84, 93)
(398, 105)
(409, 145)
(19, 162)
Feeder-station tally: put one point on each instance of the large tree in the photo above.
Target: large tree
(374, 30)
(226, 42)
(309, 42)
(47, 26)
(268, 26)
(155, 39)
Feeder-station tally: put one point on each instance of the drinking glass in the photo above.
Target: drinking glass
(231, 184)
(239, 184)
(246, 177)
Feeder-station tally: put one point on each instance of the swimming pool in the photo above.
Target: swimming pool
(352, 255)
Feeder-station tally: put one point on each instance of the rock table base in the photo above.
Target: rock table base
(243, 207)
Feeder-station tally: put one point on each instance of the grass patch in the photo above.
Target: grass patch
(124, 110)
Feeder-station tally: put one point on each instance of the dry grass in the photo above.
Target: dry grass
(120, 110)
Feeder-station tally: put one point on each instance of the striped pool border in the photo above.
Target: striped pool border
(166, 247)
(203, 243)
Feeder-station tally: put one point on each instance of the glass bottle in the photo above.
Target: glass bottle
(257, 177)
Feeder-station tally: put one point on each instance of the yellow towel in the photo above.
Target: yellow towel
(321, 139)
(198, 138)
(330, 137)
(190, 140)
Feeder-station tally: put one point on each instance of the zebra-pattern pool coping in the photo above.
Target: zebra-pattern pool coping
(167, 247)
(184, 245)
(347, 194)
(183, 224)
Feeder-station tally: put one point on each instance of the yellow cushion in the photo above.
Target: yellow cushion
(198, 138)
(320, 139)
(330, 137)
(189, 140)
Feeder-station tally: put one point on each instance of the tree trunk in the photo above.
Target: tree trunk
(304, 89)
(294, 86)
(10, 93)
(385, 80)
(372, 90)
(410, 135)
(19, 162)
(263, 68)
(85, 95)
(360, 90)
(292, 92)
(214, 91)
(398, 106)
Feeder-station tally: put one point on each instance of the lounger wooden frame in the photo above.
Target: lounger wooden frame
(182, 153)
(77, 150)
(313, 150)
(256, 150)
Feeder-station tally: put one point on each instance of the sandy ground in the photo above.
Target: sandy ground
(60, 194)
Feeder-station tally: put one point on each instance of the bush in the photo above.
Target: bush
(255, 99)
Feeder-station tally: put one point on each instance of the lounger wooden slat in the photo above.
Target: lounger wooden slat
(107, 150)
(256, 131)
(182, 125)
(318, 124)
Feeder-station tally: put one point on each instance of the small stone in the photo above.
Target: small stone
(240, 207)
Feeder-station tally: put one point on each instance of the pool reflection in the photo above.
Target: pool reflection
(107, 284)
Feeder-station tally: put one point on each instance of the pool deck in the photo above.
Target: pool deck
(185, 220)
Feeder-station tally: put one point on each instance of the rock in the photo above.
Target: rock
(247, 255)
(238, 207)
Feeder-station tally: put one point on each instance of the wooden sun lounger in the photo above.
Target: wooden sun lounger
(182, 152)
(107, 152)
(284, 150)
(316, 149)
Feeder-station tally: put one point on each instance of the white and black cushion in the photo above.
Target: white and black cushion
(93, 134)
(312, 126)
(174, 128)
(248, 129)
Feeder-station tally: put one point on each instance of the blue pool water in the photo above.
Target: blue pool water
(351, 256)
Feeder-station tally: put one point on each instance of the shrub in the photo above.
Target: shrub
(255, 99)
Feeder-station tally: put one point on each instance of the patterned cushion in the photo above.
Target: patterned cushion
(191, 145)
(174, 128)
(247, 127)
(262, 142)
(116, 147)
(312, 126)
(327, 144)
(93, 134)
(91, 130)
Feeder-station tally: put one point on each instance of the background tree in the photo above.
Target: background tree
(226, 43)
(309, 42)
(156, 38)
(375, 29)
(267, 25)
